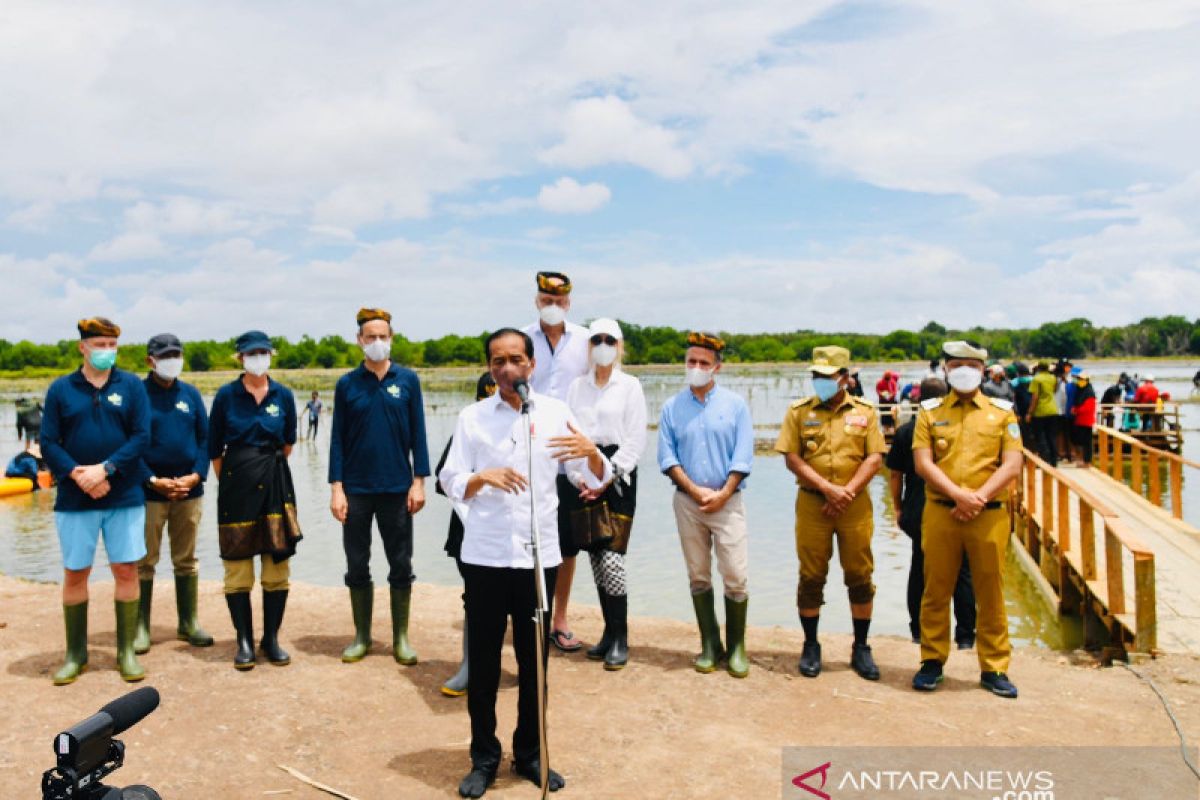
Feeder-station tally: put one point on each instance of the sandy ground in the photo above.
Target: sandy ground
(658, 729)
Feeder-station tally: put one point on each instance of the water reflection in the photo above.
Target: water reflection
(29, 549)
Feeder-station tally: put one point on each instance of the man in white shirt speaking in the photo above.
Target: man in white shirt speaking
(488, 469)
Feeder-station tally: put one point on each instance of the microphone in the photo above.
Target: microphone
(521, 387)
(131, 709)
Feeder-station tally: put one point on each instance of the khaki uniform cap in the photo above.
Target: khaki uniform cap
(830, 360)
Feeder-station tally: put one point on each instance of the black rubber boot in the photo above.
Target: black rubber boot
(600, 649)
(711, 651)
(273, 605)
(186, 593)
(362, 601)
(618, 653)
(243, 624)
(127, 620)
(141, 641)
(75, 623)
(401, 604)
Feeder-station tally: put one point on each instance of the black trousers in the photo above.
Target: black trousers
(390, 512)
(493, 595)
(964, 595)
(1045, 433)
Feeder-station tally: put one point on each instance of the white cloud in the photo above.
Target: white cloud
(604, 130)
(568, 196)
(185, 216)
(129, 247)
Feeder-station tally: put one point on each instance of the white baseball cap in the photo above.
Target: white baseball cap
(607, 326)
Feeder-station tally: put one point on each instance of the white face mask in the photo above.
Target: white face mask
(257, 365)
(552, 314)
(168, 368)
(378, 350)
(964, 379)
(698, 377)
(604, 354)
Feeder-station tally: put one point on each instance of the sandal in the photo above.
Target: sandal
(558, 637)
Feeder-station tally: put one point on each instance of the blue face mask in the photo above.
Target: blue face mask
(825, 388)
(103, 359)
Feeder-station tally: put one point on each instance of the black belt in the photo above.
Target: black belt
(952, 504)
(810, 490)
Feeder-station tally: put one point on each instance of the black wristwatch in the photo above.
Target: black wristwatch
(109, 469)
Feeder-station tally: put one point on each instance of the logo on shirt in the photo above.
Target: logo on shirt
(272, 410)
(183, 406)
(115, 399)
(1014, 430)
(394, 391)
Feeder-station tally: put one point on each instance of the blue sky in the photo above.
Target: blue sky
(768, 166)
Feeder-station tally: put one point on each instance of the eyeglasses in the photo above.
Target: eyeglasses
(603, 338)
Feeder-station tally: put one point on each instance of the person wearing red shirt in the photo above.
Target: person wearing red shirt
(1147, 395)
(1084, 418)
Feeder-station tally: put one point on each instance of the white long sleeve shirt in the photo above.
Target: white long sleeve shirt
(553, 370)
(497, 530)
(614, 413)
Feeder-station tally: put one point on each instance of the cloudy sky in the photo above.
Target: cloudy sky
(209, 167)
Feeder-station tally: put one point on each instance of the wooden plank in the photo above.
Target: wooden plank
(1175, 479)
(1064, 514)
(1115, 571)
(1155, 492)
(1048, 526)
(1146, 632)
(1136, 477)
(1087, 539)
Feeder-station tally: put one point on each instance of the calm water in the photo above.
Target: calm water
(658, 580)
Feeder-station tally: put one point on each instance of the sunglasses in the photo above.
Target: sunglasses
(603, 338)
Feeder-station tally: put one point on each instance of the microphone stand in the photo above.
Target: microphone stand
(540, 611)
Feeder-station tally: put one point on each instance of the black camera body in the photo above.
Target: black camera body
(87, 752)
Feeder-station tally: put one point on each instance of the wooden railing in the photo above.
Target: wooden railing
(1145, 466)
(1050, 541)
(1163, 430)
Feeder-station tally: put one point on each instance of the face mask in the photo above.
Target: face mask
(964, 379)
(168, 368)
(103, 359)
(257, 365)
(697, 377)
(378, 350)
(604, 354)
(825, 388)
(552, 314)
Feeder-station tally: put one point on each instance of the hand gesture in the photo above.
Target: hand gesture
(572, 446)
(506, 479)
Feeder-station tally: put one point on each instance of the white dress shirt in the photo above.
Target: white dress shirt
(553, 370)
(614, 413)
(489, 434)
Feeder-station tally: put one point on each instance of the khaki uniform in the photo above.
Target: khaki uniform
(967, 439)
(182, 520)
(834, 442)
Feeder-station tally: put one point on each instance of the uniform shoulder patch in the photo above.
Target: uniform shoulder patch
(803, 401)
(1001, 403)
(862, 401)
(931, 403)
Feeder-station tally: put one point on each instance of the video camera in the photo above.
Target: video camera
(87, 752)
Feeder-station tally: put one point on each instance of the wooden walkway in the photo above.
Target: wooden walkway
(1103, 551)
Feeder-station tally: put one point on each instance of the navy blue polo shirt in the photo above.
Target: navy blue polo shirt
(83, 425)
(377, 426)
(237, 419)
(178, 434)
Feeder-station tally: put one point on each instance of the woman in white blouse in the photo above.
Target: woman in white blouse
(611, 408)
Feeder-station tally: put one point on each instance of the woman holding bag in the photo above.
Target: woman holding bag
(611, 407)
(252, 428)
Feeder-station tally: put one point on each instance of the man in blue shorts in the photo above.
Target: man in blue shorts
(95, 428)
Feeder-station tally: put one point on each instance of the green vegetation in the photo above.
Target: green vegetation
(1075, 338)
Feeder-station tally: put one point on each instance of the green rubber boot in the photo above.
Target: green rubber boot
(127, 620)
(75, 622)
(401, 649)
(710, 632)
(141, 642)
(738, 664)
(362, 600)
(186, 591)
